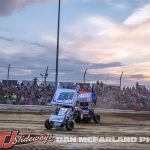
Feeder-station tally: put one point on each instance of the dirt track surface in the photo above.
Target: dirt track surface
(113, 123)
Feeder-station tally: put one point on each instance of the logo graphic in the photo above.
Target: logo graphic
(8, 139)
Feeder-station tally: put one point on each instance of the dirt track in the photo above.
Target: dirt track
(112, 124)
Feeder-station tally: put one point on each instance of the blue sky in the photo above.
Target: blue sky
(105, 36)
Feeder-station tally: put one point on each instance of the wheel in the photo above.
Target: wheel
(48, 125)
(70, 125)
(96, 118)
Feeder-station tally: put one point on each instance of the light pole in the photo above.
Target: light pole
(84, 75)
(120, 89)
(121, 79)
(57, 53)
(8, 75)
(45, 76)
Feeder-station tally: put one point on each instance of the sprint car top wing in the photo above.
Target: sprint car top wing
(65, 97)
(86, 96)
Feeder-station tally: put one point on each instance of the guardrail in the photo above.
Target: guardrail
(9, 107)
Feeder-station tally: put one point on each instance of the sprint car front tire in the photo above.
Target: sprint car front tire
(96, 118)
(48, 125)
(70, 125)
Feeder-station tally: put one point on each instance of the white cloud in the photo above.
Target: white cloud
(48, 39)
(120, 5)
(139, 16)
(96, 39)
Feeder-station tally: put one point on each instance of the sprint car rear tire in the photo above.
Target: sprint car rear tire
(96, 118)
(70, 125)
(48, 125)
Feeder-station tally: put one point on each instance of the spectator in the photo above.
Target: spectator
(107, 96)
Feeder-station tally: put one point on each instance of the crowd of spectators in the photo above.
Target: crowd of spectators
(26, 94)
(108, 96)
(136, 97)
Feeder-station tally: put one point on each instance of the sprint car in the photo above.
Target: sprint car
(83, 112)
(63, 116)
